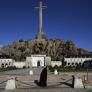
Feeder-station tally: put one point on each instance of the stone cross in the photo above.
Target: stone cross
(41, 7)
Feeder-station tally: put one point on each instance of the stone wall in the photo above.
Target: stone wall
(4, 63)
(58, 63)
(72, 61)
(19, 64)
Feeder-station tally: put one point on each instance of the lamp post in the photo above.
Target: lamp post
(87, 74)
(87, 71)
(86, 65)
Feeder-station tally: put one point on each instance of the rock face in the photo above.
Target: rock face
(55, 48)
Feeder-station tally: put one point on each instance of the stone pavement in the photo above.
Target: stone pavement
(56, 83)
(49, 90)
(27, 81)
(36, 71)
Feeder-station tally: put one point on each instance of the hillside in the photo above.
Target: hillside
(55, 48)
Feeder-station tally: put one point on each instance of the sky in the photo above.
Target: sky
(63, 19)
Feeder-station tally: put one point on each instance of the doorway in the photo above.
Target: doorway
(38, 64)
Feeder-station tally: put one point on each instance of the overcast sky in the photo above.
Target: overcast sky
(63, 19)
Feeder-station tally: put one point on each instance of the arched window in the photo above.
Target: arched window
(72, 63)
(79, 63)
(68, 63)
(2, 65)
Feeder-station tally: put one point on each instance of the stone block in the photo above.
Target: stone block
(10, 85)
(31, 72)
(56, 72)
(78, 82)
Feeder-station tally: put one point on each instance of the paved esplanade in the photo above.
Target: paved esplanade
(56, 83)
(49, 90)
(36, 71)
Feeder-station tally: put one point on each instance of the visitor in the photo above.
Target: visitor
(43, 78)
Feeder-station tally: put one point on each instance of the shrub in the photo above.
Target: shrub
(51, 68)
(8, 68)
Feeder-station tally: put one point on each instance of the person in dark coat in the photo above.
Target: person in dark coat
(43, 78)
(73, 78)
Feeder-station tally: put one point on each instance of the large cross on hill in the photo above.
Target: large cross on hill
(40, 34)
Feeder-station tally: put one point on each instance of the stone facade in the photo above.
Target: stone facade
(41, 61)
(37, 61)
(6, 62)
(19, 64)
(58, 63)
(73, 61)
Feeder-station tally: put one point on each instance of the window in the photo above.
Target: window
(2, 65)
(72, 63)
(38, 63)
(68, 63)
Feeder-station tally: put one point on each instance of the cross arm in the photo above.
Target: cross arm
(43, 7)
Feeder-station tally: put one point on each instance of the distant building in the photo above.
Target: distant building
(41, 61)
(37, 61)
(75, 60)
(32, 61)
(6, 61)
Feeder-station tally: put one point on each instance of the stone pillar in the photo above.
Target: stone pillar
(56, 72)
(78, 82)
(10, 85)
(31, 72)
